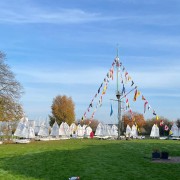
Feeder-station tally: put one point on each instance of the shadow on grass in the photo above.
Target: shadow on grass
(123, 160)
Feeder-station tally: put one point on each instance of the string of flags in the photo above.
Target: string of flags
(100, 93)
(166, 128)
(124, 79)
(127, 78)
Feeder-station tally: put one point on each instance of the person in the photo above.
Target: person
(91, 134)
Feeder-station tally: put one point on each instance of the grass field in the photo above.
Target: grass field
(88, 158)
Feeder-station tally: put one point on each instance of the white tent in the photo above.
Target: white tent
(72, 128)
(88, 130)
(134, 132)
(128, 131)
(99, 130)
(114, 130)
(25, 129)
(55, 130)
(106, 130)
(20, 128)
(44, 130)
(64, 130)
(80, 131)
(66, 127)
(37, 127)
(154, 131)
(175, 130)
(31, 130)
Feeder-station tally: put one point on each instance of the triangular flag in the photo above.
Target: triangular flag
(149, 107)
(123, 90)
(161, 123)
(157, 117)
(132, 83)
(166, 128)
(136, 94)
(143, 98)
(154, 113)
(145, 106)
(111, 110)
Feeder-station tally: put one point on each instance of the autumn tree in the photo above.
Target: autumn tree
(151, 122)
(10, 93)
(10, 110)
(137, 118)
(62, 110)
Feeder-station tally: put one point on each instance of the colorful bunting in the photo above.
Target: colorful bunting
(104, 89)
(108, 77)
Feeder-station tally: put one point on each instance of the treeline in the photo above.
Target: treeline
(63, 111)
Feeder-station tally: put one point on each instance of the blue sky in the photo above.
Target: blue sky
(65, 47)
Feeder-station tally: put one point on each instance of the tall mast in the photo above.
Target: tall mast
(118, 96)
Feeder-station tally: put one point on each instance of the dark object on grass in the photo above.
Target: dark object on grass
(164, 155)
(156, 155)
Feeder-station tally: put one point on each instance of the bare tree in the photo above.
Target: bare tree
(9, 86)
(10, 92)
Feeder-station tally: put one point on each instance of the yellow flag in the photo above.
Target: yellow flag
(157, 117)
(139, 93)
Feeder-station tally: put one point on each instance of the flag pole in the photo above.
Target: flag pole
(118, 96)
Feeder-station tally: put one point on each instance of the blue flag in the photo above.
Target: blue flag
(111, 111)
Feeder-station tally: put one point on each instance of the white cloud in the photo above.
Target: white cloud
(67, 76)
(154, 77)
(31, 13)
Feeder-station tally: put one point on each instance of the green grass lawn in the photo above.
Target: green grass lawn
(88, 158)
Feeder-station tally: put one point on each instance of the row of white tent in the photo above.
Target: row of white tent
(174, 129)
(28, 129)
(105, 130)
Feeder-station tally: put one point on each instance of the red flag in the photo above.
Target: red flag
(145, 106)
(161, 123)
